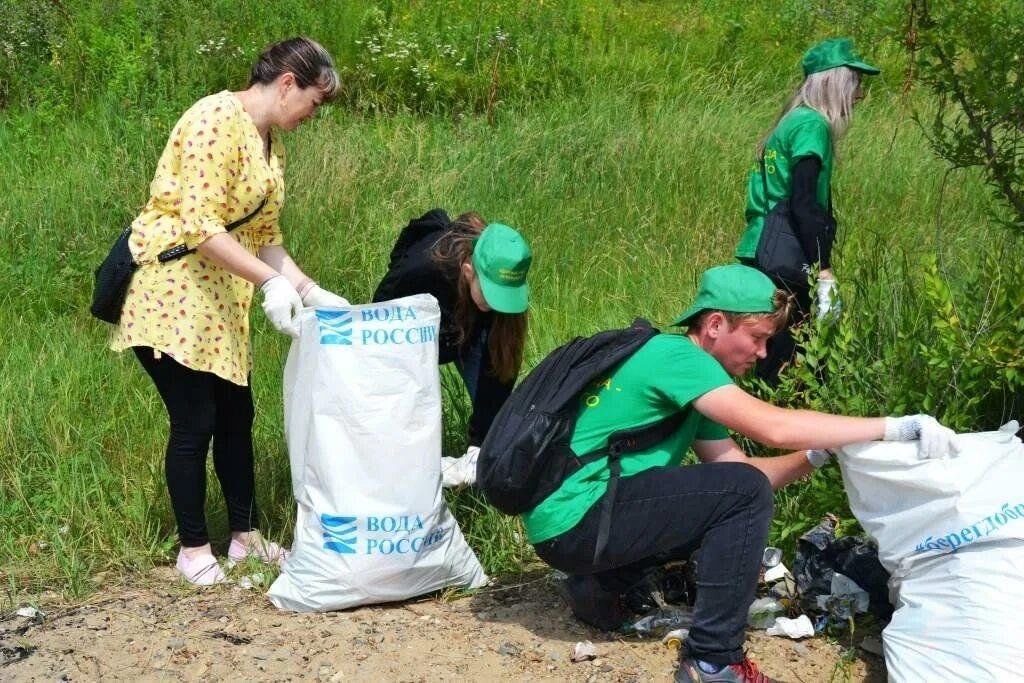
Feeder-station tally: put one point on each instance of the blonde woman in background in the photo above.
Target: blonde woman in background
(798, 156)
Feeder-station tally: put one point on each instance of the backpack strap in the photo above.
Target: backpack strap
(622, 442)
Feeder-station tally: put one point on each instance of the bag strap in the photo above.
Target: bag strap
(764, 182)
(181, 250)
(619, 443)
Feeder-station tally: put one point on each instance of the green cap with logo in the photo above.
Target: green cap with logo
(828, 54)
(501, 258)
(734, 289)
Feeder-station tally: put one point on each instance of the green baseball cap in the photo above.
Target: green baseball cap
(734, 289)
(828, 54)
(501, 258)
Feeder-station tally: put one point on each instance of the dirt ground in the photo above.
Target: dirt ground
(162, 630)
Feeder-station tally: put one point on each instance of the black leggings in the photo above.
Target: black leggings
(201, 407)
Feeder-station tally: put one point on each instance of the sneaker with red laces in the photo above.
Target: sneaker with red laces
(741, 672)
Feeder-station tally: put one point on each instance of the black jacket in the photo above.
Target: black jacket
(412, 270)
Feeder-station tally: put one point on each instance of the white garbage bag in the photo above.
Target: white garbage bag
(362, 403)
(951, 533)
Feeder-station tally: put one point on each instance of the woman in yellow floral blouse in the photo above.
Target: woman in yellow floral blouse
(188, 320)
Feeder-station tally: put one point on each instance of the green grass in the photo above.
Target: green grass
(626, 175)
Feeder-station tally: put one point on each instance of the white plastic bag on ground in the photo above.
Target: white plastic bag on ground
(362, 403)
(951, 533)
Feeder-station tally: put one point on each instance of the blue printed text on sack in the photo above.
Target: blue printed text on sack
(391, 335)
(954, 540)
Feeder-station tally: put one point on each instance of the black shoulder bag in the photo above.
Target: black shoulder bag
(779, 253)
(115, 273)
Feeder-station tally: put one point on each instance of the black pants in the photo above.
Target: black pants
(664, 513)
(782, 348)
(201, 407)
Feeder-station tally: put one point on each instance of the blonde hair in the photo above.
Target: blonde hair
(830, 93)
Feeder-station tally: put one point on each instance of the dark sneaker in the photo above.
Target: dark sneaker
(742, 672)
(593, 605)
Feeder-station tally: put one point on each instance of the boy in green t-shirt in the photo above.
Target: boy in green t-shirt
(723, 506)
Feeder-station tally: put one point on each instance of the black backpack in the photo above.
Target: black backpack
(526, 456)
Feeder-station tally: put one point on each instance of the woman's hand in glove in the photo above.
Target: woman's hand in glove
(318, 297)
(281, 303)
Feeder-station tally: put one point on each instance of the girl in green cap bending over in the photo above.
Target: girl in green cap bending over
(477, 273)
(792, 180)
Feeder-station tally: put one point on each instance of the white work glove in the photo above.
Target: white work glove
(460, 471)
(936, 441)
(281, 303)
(818, 457)
(828, 299)
(318, 297)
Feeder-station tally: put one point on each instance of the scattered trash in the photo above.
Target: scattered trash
(10, 655)
(800, 627)
(762, 612)
(771, 557)
(845, 600)
(30, 613)
(662, 620)
(820, 555)
(674, 639)
(252, 581)
(776, 573)
(583, 651)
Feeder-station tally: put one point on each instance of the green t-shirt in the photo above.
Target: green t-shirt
(663, 377)
(803, 132)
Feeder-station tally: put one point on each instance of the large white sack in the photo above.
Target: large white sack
(951, 532)
(362, 403)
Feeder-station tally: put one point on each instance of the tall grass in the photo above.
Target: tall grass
(624, 165)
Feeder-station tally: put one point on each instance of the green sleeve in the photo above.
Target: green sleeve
(702, 374)
(810, 138)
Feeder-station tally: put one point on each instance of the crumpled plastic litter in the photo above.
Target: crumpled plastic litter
(820, 555)
(845, 599)
(252, 581)
(801, 627)
(30, 613)
(583, 651)
(762, 612)
(457, 472)
(776, 573)
(659, 622)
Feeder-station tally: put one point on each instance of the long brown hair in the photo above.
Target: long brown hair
(507, 339)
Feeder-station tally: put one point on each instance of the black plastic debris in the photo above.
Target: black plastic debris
(819, 555)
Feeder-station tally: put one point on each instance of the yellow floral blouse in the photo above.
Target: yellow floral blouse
(212, 173)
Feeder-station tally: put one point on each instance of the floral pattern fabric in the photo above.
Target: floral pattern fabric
(212, 172)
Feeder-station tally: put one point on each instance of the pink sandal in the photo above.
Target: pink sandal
(201, 570)
(266, 551)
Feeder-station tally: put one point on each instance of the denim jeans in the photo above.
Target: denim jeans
(665, 513)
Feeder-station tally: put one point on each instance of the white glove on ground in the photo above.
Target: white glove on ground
(281, 303)
(460, 471)
(828, 299)
(318, 297)
(936, 441)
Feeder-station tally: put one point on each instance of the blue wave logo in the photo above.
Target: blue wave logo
(335, 327)
(339, 533)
